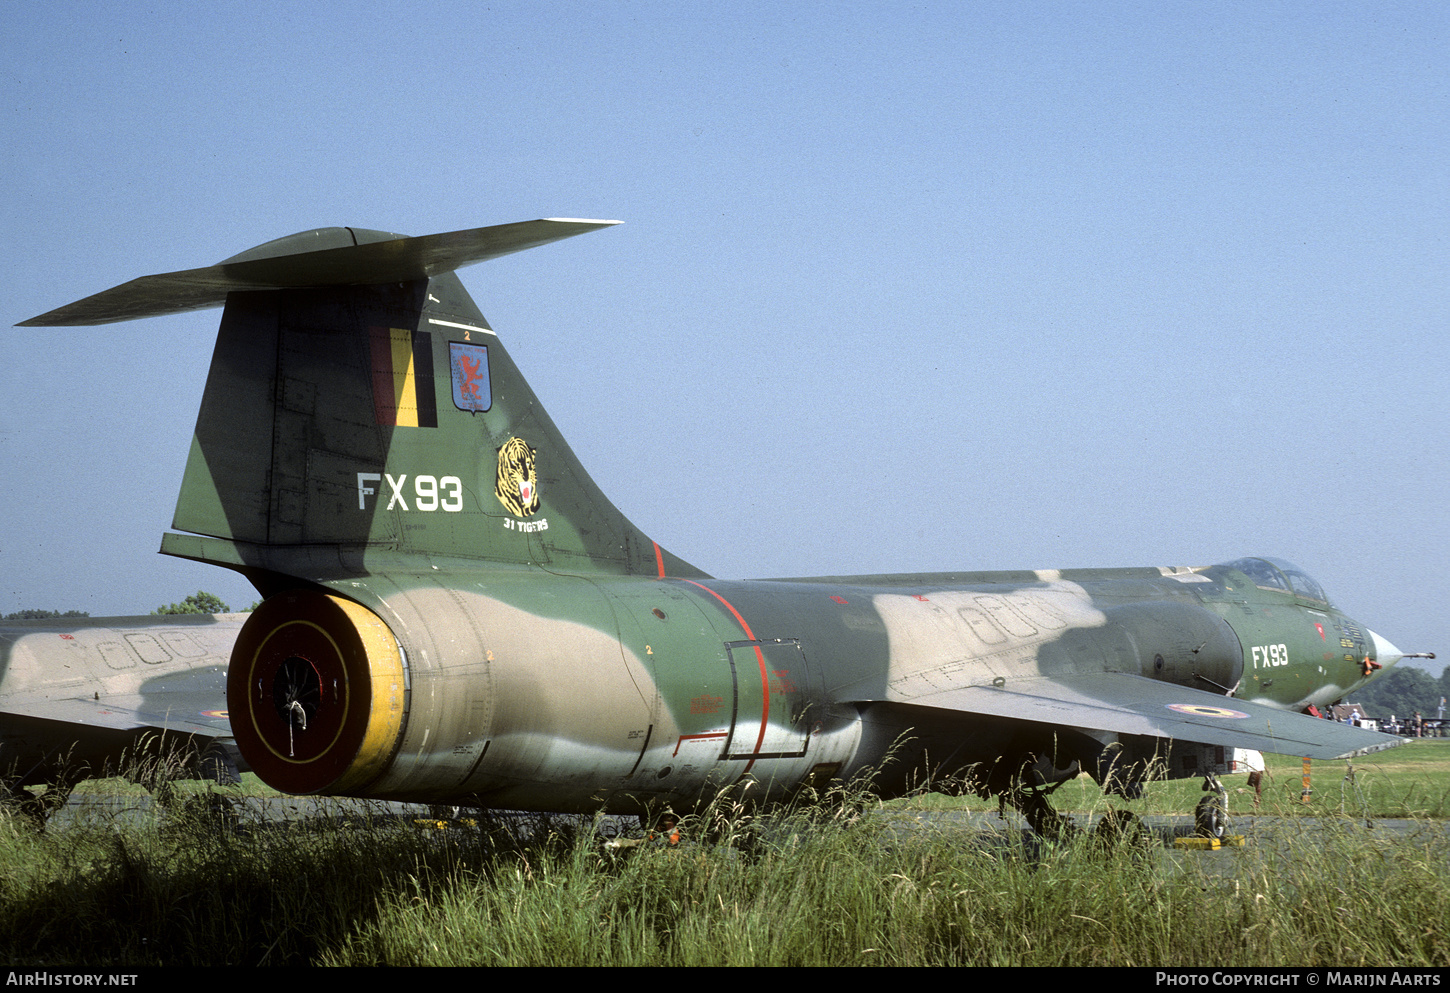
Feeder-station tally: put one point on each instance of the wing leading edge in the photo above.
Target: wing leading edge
(1126, 704)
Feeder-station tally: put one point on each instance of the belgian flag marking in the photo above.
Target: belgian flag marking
(402, 367)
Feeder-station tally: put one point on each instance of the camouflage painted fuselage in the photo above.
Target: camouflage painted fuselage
(530, 690)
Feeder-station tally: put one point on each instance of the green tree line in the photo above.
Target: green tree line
(200, 602)
(1402, 691)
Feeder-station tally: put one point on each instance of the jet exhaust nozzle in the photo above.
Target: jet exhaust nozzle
(316, 692)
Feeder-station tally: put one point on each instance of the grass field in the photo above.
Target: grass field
(826, 885)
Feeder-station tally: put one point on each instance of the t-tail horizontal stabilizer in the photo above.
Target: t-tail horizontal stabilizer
(361, 417)
(325, 257)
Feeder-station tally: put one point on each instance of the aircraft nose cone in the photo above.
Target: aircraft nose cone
(1385, 653)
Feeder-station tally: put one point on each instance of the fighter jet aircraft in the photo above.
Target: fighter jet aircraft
(456, 614)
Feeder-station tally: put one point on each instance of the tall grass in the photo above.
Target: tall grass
(845, 882)
(876, 892)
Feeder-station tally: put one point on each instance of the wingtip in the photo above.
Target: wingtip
(582, 220)
(1371, 749)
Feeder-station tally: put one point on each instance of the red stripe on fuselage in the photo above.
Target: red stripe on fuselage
(745, 627)
(760, 658)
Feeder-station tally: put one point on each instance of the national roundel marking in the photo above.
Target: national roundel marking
(1201, 710)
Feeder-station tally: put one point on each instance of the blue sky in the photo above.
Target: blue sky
(901, 287)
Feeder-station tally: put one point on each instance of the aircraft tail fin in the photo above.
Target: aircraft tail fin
(361, 415)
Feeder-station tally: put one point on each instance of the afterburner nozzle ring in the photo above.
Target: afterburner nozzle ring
(316, 693)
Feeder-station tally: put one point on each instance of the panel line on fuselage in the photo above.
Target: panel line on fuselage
(764, 678)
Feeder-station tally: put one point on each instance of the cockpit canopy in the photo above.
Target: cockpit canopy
(1277, 574)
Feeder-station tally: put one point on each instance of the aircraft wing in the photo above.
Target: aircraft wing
(87, 689)
(195, 705)
(1126, 704)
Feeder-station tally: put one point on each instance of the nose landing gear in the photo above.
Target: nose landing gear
(1210, 817)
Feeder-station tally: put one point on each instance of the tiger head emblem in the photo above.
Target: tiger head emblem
(517, 487)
